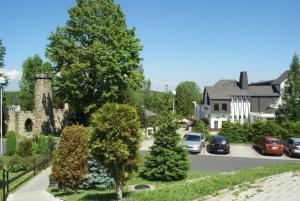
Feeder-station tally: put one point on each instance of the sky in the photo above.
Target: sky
(192, 40)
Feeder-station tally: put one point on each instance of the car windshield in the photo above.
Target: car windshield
(193, 138)
(273, 142)
(219, 141)
(297, 143)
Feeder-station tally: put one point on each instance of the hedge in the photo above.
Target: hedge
(242, 133)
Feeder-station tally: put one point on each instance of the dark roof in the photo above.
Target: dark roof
(281, 78)
(149, 113)
(224, 89)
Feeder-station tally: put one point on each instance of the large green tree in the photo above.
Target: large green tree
(290, 108)
(97, 56)
(115, 141)
(30, 67)
(186, 93)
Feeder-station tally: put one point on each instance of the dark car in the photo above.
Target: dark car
(269, 145)
(292, 146)
(219, 144)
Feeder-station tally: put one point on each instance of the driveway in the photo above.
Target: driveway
(236, 150)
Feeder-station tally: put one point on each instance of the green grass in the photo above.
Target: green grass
(195, 186)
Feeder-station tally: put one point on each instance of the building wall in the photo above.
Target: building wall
(262, 104)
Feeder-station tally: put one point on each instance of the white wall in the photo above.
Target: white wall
(240, 108)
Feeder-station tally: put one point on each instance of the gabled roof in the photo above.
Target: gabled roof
(224, 89)
(281, 78)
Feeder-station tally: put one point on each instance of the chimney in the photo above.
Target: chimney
(244, 80)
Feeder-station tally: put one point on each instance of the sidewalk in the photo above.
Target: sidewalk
(35, 189)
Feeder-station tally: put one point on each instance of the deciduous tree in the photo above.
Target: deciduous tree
(186, 93)
(97, 56)
(30, 67)
(115, 141)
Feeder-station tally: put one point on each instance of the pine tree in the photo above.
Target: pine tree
(290, 108)
(167, 160)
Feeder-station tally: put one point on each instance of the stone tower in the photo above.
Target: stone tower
(43, 105)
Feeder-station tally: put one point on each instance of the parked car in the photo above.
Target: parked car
(219, 144)
(292, 146)
(194, 142)
(269, 145)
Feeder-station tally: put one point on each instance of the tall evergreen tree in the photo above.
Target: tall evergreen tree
(30, 67)
(290, 108)
(167, 160)
(97, 55)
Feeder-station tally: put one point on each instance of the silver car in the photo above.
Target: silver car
(194, 142)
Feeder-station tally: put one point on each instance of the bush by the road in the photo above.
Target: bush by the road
(241, 133)
(25, 148)
(11, 143)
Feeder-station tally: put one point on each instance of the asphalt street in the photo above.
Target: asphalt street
(219, 163)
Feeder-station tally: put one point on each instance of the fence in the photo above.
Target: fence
(4, 184)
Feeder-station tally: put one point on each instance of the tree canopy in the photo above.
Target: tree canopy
(115, 141)
(290, 108)
(96, 55)
(30, 67)
(186, 93)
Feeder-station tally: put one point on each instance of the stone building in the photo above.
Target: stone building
(44, 118)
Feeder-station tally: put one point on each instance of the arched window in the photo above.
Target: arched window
(28, 125)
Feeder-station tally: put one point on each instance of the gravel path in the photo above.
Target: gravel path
(282, 187)
(35, 189)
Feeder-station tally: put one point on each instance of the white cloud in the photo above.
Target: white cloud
(11, 74)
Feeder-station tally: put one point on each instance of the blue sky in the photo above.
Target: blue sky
(195, 40)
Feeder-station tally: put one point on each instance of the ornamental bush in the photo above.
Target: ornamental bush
(201, 127)
(25, 148)
(11, 143)
(69, 162)
(40, 145)
(97, 177)
(167, 160)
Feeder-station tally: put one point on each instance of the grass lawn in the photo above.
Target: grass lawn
(195, 186)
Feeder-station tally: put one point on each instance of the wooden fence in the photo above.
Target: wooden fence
(4, 183)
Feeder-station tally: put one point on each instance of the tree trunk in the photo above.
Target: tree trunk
(119, 190)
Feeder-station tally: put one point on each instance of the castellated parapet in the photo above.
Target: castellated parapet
(44, 118)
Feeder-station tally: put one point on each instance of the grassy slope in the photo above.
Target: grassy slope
(195, 186)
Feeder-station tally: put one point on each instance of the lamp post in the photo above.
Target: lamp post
(174, 93)
(195, 109)
(2, 82)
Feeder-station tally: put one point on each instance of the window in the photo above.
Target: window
(216, 124)
(216, 107)
(224, 107)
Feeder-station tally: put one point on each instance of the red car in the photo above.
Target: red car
(269, 145)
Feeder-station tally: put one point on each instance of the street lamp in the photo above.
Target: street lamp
(174, 93)
(2, 82)
(195, 109)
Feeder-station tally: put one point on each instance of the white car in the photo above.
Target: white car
(194, 142)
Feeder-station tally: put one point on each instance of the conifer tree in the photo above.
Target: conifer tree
(290, 108)
(167, 160)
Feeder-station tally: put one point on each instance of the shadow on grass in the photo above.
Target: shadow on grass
(89, 196)
(102, 197)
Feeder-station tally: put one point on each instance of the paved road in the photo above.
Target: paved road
(35, 189)
(219, 163)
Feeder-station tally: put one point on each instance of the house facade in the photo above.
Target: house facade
(239, 101)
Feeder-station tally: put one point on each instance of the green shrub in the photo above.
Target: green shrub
(69, 162)
(25, 148)
(18, 163)
(234, 132)
(167, 160)
(97, 177)
(11, 143)
(40, 145)
(51, 145)
(201, 127)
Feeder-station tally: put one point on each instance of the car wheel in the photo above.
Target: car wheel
(290, 153)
